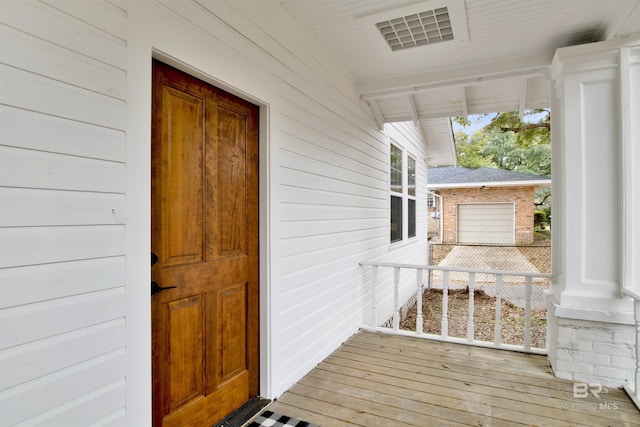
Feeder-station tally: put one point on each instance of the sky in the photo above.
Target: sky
(478, 121)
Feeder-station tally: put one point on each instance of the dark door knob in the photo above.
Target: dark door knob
(155, 288)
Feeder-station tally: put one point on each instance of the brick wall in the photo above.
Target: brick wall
(521, 196)
(594, 352)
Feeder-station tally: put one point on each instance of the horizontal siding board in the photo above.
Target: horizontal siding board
(37, 93)
(300, 338)
(275, 56)
(295, 211)
(326, 168)
(39, 245)
(28, 323)
(36, 397)
(309, 267)
(29, 207)
(28, 129)
(293, 229)
(120, 4)
(301, 48)
(42, 57)
(30, 361)
(27, 285)
(97, 13)
(62, 153)
(304, 246)
(306, 110)
(318, 144)
(300, 195)
(116, 419)
(307, 180)
(98, 406)
(47, 23)
(36, 169)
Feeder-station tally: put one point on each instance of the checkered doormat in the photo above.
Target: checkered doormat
(269, 419)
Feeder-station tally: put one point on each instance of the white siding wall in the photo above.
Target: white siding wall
(411, 251)
(75, 76)
(62, 152)
(328, 179)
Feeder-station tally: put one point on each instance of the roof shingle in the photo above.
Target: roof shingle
(462, 175)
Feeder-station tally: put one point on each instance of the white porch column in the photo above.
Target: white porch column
(596, 214)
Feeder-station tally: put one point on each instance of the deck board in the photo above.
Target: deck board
(384, 380)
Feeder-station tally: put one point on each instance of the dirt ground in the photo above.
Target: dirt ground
(484, 315)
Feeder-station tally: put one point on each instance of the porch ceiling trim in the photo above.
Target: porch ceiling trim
(464, 82)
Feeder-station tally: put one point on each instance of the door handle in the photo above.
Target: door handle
(155, 288)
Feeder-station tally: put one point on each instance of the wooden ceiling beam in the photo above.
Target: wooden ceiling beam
(377, 113)
(523, 97)
(414, 110)
(464, 101)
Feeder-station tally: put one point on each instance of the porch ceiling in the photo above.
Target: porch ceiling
(500, 66)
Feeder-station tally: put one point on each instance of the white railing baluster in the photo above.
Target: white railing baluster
(396, 305)
(498, 330)
(471, 321)
(527, 312)
(374, 309)
(419, 291)
(444, 326)
(420, 287)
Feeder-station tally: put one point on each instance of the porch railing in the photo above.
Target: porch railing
(470, 282)
(633, 390)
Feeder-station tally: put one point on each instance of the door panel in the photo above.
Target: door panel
(204, 216)
(486, 223)
(182, 194)
(185, 338)
(232, 204)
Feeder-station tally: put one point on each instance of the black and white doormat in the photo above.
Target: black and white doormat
(271, 419)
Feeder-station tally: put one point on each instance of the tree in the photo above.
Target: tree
(469, 151)
(510, 143)
(534, 128)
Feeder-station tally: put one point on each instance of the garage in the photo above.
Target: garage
(486, 223)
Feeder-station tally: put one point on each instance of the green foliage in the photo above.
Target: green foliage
(538, 217)
(509, 143)
(469, 152)
(542, 200)
(462, 121)
(497, 149)
(533, 129)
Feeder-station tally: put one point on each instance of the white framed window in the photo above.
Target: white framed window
(402, 194)
(397, 190)
(411, 196)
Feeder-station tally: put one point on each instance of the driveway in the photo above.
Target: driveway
(493, 258)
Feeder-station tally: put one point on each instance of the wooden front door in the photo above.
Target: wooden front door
(204, 219)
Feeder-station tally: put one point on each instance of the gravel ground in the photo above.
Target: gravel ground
(484, 315)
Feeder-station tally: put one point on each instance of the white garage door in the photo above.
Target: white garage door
(486, 223)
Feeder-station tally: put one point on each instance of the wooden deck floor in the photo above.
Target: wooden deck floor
(383, 380)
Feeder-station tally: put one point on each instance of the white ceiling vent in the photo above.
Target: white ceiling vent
(417, 26)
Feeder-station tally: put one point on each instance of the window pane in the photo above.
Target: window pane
(396, 218)
(396, 169)
(411, 175)
(431, 200)
(412, 218)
